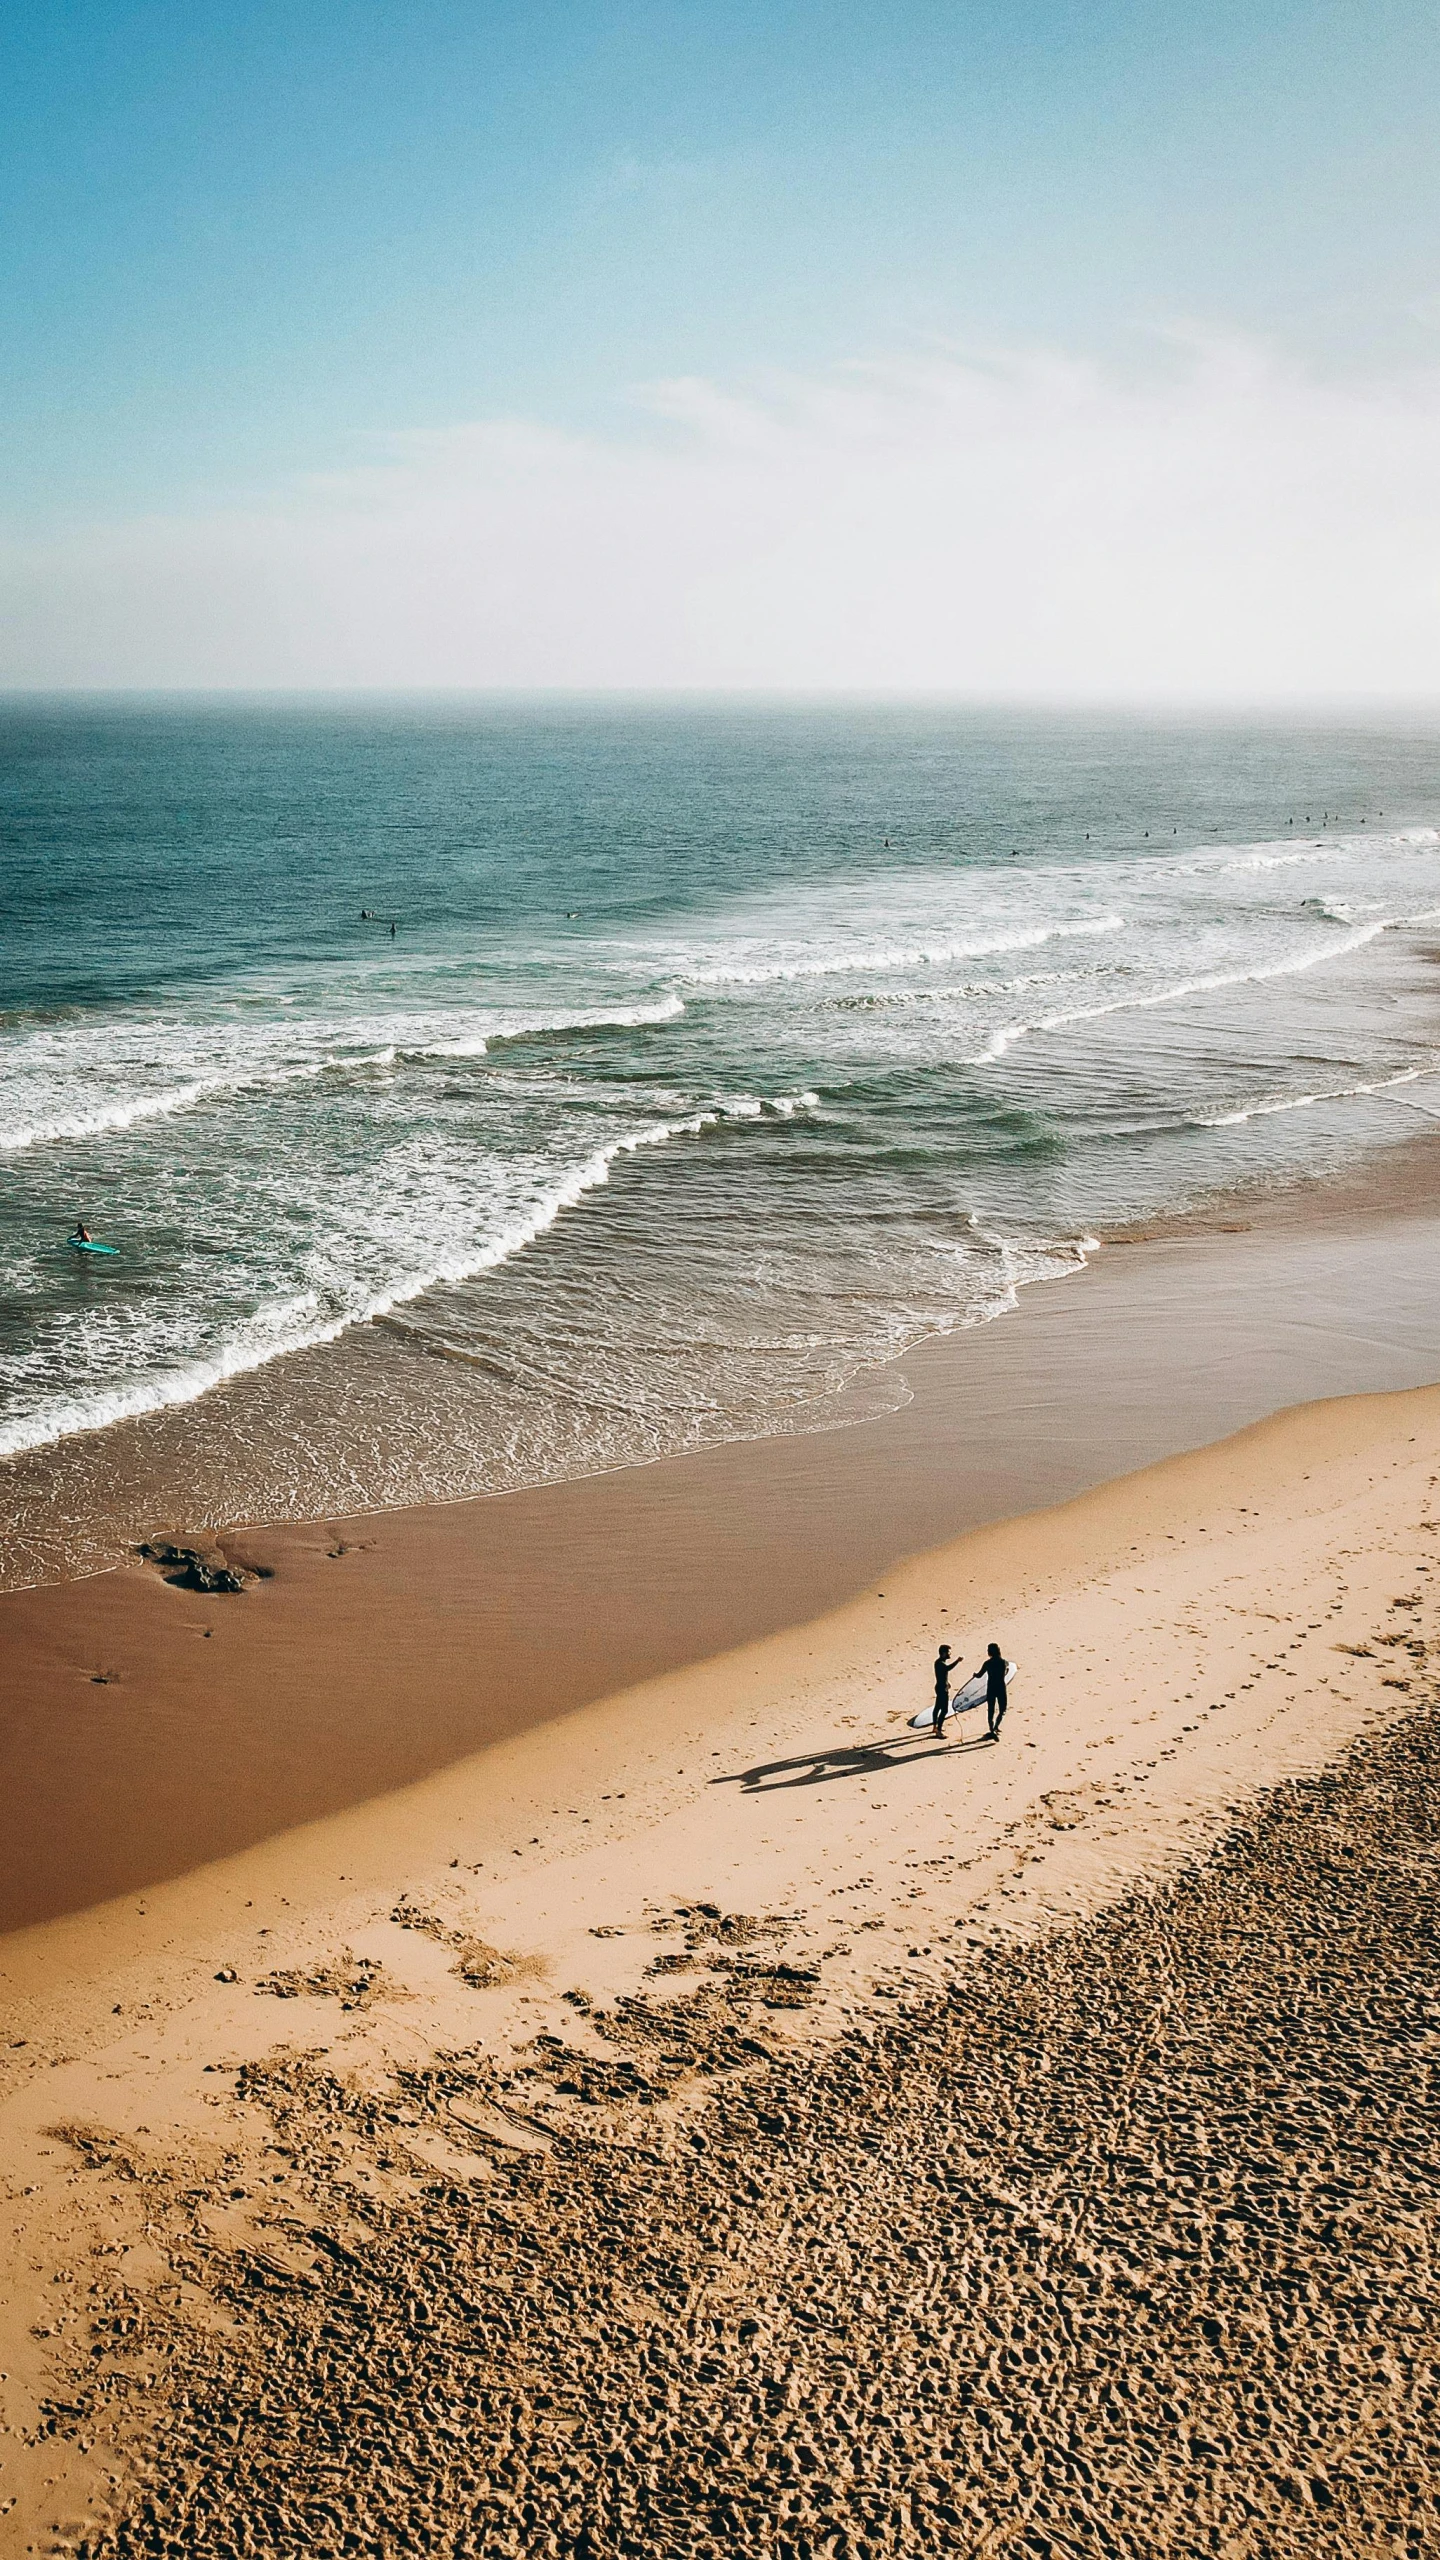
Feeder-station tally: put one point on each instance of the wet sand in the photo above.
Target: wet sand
(150, 1729)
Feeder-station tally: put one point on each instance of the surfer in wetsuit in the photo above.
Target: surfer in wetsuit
(82, 1233)
(996, 1699)
(943, 1668)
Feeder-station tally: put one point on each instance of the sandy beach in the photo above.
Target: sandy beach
(719, 2116)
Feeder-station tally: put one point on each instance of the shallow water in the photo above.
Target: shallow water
(717, 1054)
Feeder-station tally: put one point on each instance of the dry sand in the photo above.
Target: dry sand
(723, 2119)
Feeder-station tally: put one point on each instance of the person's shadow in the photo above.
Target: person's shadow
(847, 1760)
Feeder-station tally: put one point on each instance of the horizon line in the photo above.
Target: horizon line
(783, 695)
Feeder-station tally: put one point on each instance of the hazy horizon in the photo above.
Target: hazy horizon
(1242, 708)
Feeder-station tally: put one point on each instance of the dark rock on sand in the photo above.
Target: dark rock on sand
(191, 1568)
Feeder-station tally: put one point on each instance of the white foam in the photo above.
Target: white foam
(425, 1175)
(132, 1109)
(1019, 1264)
(1010, 1033)
(623, 1018)
(292, 1326)
(82, 1063)
(1303, 1101)
(895, 998)
(1281, 855)
(883, 957)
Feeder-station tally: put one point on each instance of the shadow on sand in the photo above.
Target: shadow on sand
(848, 1760)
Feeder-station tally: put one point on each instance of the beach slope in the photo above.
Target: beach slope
(725, 2118)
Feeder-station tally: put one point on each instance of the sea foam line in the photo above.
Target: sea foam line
(265, 1338)
(915, 956)
(108, 1118)
(1010, 1033)
(1022, 1262)
(151, 1106)
(893, 998)
(1304, 1101)
(633, 1018)
(1279, 854)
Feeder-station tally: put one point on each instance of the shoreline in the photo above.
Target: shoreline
(160, 1729)
(82, 1504)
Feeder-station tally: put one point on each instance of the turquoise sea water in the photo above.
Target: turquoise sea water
(717, 1053)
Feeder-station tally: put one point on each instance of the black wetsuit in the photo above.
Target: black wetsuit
(996, 1695)
(944, 1665)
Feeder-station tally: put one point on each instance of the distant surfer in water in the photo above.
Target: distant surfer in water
(996, 1698)
(82, 1233)
(944, 1665)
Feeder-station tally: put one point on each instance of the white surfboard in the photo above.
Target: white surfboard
(970, 1694)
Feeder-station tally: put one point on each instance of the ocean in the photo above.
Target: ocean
(479, 1092)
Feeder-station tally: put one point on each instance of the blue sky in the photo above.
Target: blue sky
(248, 247)
(237, 236)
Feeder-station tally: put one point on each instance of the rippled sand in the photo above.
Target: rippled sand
(1124, 2244)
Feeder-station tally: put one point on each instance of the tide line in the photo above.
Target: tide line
(1012, 1032)
(907, 956)
(1304, 1101)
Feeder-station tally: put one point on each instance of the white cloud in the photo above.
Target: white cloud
(1221, 524)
